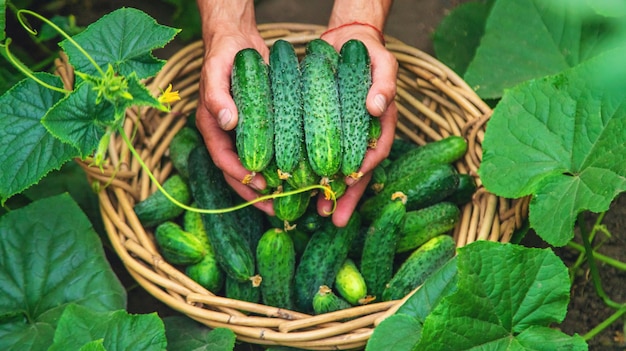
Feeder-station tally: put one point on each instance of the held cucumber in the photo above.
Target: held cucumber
(251, 92)
(354, 78)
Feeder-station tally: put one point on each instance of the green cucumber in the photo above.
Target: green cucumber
(322, 47)
(210, 190)
(276, 264)
(446, 150)
(431, 185)
(284, 73)
(157, 208)
(248, 291)
(207, 272)
(302, 175)
(251, 92)
(322, 258)
(464, 191)
(374, 132)
(325, 301)
(300, 239)
(337, 185)
(178, 246)
(291, 207)
(354, 76)
(379, 178)
(421, 225)
(423, 262)
(181, 145)
(400, 147)
(322, 115)
(272, 177)
(311, 220)
(350, 283)
(379, 247)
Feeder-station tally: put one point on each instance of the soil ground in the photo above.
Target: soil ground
(412, 22)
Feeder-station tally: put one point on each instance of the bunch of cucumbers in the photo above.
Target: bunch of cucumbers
(304, 122)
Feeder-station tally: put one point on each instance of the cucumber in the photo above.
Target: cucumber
(207, 272)
(337, 185)
(251, 222)
(284, 73)
(248, 290)
(322, 47)
(157, 208)
(311, 220)
(300, 239)
(354, 76)
(400, 147)
(379, 178)
(446, 150)
(374, 132)
(379, 247)
(322, 258)
(424, 188)
(302, 175)
(291, 207)
(210, 190)
(178, 246)
(322, 115)
(276, 264)
(181, 145)
(272, 177)
(464, 191)
(251, 93)
(421, 225)
(423, 262)
(325, 301)
(350, 283)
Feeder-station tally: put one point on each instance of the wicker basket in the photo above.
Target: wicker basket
(433, 103)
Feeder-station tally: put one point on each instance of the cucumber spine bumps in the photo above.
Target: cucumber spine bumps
(250, 87)
(354, 78)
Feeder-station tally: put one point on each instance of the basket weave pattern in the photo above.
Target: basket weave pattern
(433, 103)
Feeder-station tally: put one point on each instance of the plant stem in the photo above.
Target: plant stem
(598, 328)
(593, 268)
(600, 257)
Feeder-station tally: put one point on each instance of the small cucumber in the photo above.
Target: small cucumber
(157, 208)
(276, 264)
(374, 132)
(210, 190)
(379, 178)
(322, 258)
(291, 207)
(350, 284)
(325, 301)
(337, 185)
(272, 177)
(322, 47)
(207, 272)
(421, 225)
(354, 76)
(248, 290)
(302, 175)
(251, 92)
(311, 220)
(284, 73)
(181, 145)
(178, 246)
(446, 150)
(423, 262)
(322, 115)
(300, 239)
(400, 147)
(424, 188)
(464, 191)
(379, 247)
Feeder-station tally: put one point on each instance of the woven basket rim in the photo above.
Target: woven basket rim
(446, 106)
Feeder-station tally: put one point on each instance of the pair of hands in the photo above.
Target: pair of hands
(216, 115)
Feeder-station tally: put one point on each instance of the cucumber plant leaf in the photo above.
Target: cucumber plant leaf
(511, 294)
(81, 326)
(399, 332)
(184, 333)
(458, 34)
(113, 40)
(30, 150)
(50, 257)
(527, 39)
(561, 139)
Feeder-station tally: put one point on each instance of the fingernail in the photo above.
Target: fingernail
(380, 102)
(255, 184)
(224, 117)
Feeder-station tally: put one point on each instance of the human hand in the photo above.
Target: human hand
(216, 114)
(380, 104)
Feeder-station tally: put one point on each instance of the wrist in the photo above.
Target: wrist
(372, 13)
(226, 15)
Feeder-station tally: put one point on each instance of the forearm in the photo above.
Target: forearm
(219, 15)
(373, 12)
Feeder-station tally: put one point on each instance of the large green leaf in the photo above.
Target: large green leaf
(561, 139)
(184, 333)
(29, 150)
(123, 38)
(399, 332)
(458, 35)
(507, 298)
(527, 39)
(80, 326)
(50, 257)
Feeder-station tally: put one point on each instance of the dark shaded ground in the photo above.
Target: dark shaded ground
(412, 22)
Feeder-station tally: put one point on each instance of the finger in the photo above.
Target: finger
(248, 194)
(346, 204)
(215, 88)
(384, 75)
